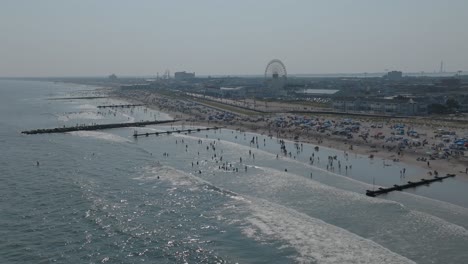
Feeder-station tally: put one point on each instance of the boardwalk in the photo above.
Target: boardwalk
(95, 127)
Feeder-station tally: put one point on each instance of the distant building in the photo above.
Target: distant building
(394, 75)
(112, 77)
(184, 75)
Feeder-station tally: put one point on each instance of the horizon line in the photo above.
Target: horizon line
(361, 74)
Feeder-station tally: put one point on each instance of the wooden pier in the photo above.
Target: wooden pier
(410, 184)
(121, 106)
(95, 127)
(136, 134)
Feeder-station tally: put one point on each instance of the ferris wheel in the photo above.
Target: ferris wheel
(275, 69)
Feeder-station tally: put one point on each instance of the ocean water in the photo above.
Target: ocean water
(104, 197)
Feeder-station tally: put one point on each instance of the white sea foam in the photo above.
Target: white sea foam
(180, 178)
(313, 239)
(86, 106)
(442, 208)
(452, 216)
(100, 135)
(175, 177)
(447, 207)
(440, 225)
(278, 179)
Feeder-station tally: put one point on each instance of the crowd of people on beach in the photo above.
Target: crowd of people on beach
(386, 137)
(216, 155)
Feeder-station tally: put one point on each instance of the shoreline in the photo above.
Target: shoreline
(365, 148)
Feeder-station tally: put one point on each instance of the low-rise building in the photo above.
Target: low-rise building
(394, 75)
(181, 76)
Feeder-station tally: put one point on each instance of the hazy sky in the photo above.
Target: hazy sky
(90, 38)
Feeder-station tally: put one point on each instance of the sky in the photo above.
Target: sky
(50, 38)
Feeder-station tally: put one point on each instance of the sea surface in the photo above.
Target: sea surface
(105, 197)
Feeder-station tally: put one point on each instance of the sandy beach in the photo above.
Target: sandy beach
(419, 141)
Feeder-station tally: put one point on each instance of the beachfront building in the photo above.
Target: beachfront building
(395, 106)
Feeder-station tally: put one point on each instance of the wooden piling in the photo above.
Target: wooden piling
(410, 184)
(95, 127)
